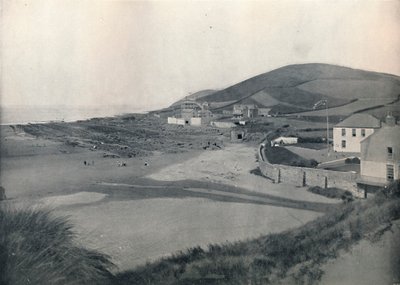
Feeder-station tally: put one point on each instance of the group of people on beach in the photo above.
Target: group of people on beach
(121, 163)
(87, 163)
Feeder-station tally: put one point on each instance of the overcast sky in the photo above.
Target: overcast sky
(150, 54)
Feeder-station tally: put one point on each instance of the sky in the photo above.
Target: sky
(149, 54)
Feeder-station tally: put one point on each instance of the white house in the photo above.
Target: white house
(191, 113)
(348, 134)
(380, 154)
(176, 121)
(284, 140)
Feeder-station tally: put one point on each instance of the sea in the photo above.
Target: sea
(11, 115)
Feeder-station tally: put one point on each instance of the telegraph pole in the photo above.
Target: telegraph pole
(319, 103)
(327, 125)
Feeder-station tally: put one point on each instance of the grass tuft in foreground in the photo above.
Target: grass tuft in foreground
(290, 257)
(38, 248)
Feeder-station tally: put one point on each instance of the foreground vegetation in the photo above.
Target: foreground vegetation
(291, 257)
(37, 248)
(332, 192)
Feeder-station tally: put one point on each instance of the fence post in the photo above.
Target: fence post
(279, 175)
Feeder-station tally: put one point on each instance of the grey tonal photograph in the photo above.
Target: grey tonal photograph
(199, 142)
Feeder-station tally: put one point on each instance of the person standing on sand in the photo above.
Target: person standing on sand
(2, 194)
(84, 162)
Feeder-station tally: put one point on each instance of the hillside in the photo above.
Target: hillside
(296, 88)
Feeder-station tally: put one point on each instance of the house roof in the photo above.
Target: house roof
(360, 121)
(374, 146)
(386, 134)
(282, 138)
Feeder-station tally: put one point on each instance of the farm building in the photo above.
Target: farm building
(348, 134)
(380, 154)
(264, 112)
(245, 111)
(284, 141)
(237, 135)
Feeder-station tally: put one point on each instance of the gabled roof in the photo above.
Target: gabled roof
(360, 121)
(373, 147)
(386, 134)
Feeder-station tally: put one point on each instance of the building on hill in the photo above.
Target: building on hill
(264, 112)
(192, 113)
(245, 111)
(380, 154)
(348, 134)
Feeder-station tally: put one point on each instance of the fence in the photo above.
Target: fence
(303, 176)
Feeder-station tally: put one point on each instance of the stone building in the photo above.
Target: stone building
(237, 135)
(245, 111)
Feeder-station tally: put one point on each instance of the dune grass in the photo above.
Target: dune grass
(291, 257)
(38, 248)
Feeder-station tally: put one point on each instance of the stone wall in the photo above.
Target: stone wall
(302, 176)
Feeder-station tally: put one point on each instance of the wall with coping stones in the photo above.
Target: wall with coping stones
(303, 176)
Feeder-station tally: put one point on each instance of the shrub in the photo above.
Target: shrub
(38, 248)
(332, 192)
(353, 160)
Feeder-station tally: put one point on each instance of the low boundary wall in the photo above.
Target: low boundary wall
(303, 176)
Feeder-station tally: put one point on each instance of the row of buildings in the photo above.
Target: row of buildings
(376, 143)
(248, 111)
(190, 112)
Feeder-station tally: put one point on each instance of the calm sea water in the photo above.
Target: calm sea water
(30, 114)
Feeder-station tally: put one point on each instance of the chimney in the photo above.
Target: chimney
(390, 120)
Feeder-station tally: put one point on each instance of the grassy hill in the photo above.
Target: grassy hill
(296, 88)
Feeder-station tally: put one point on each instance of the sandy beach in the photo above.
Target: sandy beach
(146, 210)
(163, 203)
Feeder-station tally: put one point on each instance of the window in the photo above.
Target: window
(390, 152)
(353, 132)
(343, 144)
(363, 132)
(389, 172)
(343, 132)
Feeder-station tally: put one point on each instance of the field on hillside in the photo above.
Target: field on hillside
(357, 106)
